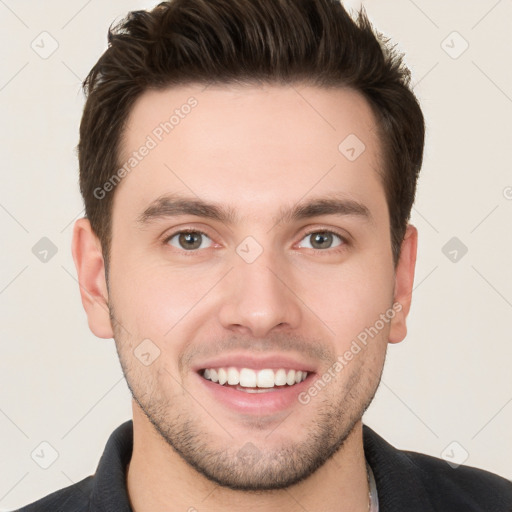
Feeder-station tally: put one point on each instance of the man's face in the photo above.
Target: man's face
(259, 291)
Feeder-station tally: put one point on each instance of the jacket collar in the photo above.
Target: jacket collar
(109, 489)
(399, 485)
(398, 480)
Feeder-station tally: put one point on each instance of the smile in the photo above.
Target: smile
(251, 379)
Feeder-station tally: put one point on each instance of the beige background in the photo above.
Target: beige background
(449, 381)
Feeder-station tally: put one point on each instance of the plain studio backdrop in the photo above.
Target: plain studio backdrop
(446, 390)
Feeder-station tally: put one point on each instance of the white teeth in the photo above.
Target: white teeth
(249, 378)
(280, 377)
(223, 376)
(233, 376)
(265, 379)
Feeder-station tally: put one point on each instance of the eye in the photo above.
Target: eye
(323, 239)
(189, 240)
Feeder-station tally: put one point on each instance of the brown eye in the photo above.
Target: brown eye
(188, 240)
(323, 240)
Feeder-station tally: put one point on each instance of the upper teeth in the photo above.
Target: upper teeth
(247, 377)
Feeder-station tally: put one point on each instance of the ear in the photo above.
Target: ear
(404, 279)
(90, 267)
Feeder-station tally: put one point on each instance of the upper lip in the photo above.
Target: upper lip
(241, 360)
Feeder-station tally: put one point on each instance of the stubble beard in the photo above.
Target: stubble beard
(246, 465)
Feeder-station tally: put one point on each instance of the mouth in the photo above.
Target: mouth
(251, 380)
(252, 384)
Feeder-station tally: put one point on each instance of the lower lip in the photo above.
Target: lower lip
(274, 400)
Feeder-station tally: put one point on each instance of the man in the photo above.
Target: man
(248, 169)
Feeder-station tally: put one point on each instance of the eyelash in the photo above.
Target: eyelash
(336, 249)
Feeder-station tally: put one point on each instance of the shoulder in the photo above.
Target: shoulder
(74, 498)
(420, 482)
(105, 490)
(461, 485)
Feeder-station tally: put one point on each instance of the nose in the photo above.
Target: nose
(258, 297)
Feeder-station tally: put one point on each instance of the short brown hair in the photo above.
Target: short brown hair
(315, 42)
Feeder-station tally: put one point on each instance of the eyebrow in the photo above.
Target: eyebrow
(173, 205)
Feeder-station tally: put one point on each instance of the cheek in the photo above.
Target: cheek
(349, 298)
(144, 300)
(157, 300)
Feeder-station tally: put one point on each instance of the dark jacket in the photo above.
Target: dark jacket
(406, 481)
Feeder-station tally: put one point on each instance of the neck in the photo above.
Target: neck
(159, 480)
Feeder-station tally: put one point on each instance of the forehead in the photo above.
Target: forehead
(254, 147)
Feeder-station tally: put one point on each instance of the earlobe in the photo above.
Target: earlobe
(404, 280)
(88, 258)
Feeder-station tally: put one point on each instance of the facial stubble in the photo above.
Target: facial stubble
(246, 464)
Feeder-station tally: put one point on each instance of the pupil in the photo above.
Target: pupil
(323, 239)
(190, 240)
